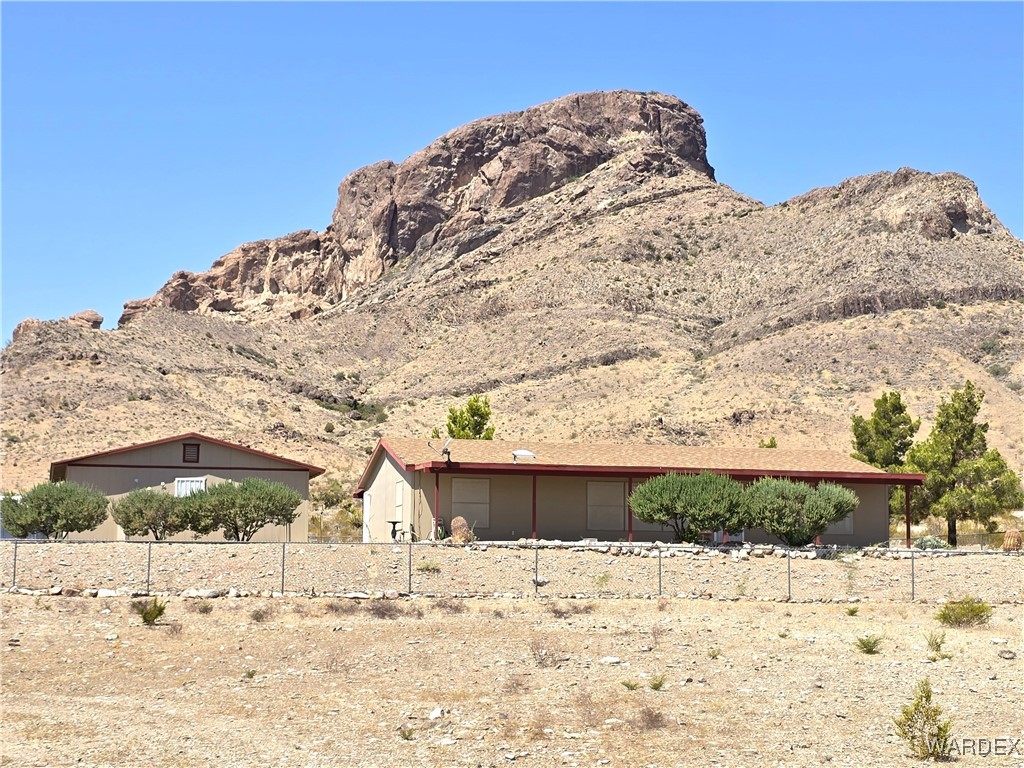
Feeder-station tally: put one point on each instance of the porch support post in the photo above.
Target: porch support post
(437, 505)
(906, 510)
(534, 532)
(629, 510)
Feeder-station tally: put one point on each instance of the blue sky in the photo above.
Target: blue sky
(143, 138)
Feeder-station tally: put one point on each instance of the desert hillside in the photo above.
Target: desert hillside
(579, 263)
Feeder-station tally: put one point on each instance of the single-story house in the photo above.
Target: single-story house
(181, 465)
(507, 490)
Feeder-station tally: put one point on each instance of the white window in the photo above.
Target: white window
(606, 506)
(471, 499)
(399, 501)
(186, 486)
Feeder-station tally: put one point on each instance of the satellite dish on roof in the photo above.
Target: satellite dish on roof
(446, 444)
(522, 453)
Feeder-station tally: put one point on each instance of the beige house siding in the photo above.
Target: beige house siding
(562, 508)
(158, 466)
(380, 501)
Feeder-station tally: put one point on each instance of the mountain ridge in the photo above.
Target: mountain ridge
(638, 300)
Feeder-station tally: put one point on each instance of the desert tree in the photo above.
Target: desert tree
(240, 510)
(471, 422)
(149, 512)
(884, 438)
(54, 510)
(795, 512)
(964, 478)
(689, 504)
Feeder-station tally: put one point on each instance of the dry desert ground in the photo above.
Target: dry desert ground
(328, 681)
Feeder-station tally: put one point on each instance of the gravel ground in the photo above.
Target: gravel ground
(535, 681)
(301, 681)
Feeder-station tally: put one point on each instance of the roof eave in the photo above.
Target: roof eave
(566, 469)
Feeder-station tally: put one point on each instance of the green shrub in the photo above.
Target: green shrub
(869, 644)
(796, 512)
(204, 607)
(54, 510)
(656, 683)
(428, 566)
(630, 685)
(920, 724)
(966, 612)
(931, 542)
(149, 610)
(690, 504)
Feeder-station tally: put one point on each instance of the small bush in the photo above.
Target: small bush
(714, 653)
(342, 608)
(261, 614)
(931, 542)
(869, 644)
(385, 609)
(545, 654)
(650, 719)
(656, 683)
(921, 726)
(450, 607)
(249, 674)
(428, 566)
(966, 612)
(630, 685)
(406, 733)
(935, 642)
(853, 610)
(573, 609)
(204, 607)
(149, 610)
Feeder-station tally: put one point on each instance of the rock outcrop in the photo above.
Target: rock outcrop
(443, 194)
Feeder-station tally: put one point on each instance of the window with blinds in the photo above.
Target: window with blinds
(606, 506)
(471, 499)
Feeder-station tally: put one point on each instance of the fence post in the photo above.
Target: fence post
(410, 568)
(913, 583)
(536, 570)
(14, 576)
(659, 571)
(149, 562)
(283, 545)
(789, 575)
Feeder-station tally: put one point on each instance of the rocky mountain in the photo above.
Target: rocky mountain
(577, 261)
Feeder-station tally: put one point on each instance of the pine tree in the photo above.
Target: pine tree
(884, 439)
(471, 422)
(965, 479)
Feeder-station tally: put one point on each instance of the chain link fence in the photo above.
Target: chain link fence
(584, 570)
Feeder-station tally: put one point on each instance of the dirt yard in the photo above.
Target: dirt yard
(300, 681)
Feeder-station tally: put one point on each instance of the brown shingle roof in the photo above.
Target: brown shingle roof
(639, 459)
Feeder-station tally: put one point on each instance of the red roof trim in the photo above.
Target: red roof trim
(627, 471)
(504, 468)
(313, 470)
